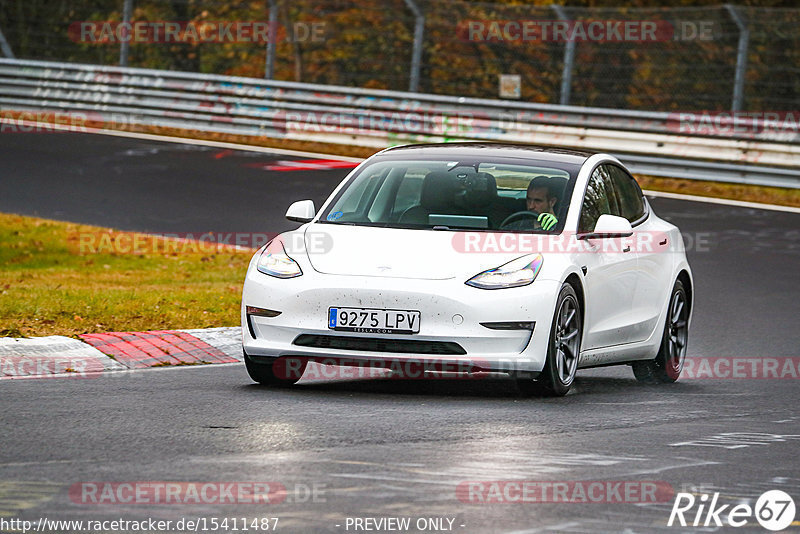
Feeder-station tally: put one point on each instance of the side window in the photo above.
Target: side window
(598, 200)
(629, 193)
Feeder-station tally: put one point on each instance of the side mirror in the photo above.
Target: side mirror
(301, 211)
(610, 226)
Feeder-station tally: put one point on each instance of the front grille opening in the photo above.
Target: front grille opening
(368, 344)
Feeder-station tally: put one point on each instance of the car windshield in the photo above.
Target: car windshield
(511, 195)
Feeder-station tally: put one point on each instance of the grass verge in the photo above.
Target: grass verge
(749, 193)
(68, 279)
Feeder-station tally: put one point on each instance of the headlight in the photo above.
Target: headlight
(516, 273)
(275, 262)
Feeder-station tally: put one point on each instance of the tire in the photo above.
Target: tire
(668, 364)
(563, 349)
(274, 373)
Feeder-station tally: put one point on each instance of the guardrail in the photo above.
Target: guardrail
(753, 151)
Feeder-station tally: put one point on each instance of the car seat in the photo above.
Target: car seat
(437, 196)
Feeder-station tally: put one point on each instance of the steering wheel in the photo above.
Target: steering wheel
(520, 215)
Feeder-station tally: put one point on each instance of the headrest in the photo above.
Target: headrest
(477, 189)
(438, 191)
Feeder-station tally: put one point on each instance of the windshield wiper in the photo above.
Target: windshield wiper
(343, 223)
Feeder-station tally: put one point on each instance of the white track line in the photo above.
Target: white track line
(269, 150)
(187, 141)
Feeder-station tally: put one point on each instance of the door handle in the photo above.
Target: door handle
(662, 243)
(627, 249)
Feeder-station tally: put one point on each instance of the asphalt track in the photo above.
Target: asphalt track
(150, 186)
(377, 448)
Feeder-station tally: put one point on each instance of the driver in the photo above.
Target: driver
(541, 198)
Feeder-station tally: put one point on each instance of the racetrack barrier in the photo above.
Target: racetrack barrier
(756, 148)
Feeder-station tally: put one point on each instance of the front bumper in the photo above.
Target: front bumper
(451, 312)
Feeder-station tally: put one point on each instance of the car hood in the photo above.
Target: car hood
(395, 252)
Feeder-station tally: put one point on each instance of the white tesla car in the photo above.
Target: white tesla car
(473, 258)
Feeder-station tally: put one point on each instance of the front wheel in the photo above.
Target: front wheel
(563, 349)
(276, 373)
(667, 366)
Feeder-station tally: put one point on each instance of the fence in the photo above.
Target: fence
(650, 142)
(700, 58)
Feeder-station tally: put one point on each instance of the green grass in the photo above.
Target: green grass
(68, 279)
(782, 196)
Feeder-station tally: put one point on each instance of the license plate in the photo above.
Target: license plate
(374, 321)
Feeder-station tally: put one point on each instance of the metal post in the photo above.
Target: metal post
(416, 55)
(4, 46)
(741, 57)
(569, 60)
(269, 70)
(125, 45)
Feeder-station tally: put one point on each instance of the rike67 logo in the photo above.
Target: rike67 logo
(774, 510)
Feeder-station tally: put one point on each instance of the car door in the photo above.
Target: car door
(610, 266)
(651, 245)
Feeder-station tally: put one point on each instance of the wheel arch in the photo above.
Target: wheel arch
(686, 280)
(574, 280)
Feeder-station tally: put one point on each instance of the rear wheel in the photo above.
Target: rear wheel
(279, 372)
(562, 350)
(667, 366)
